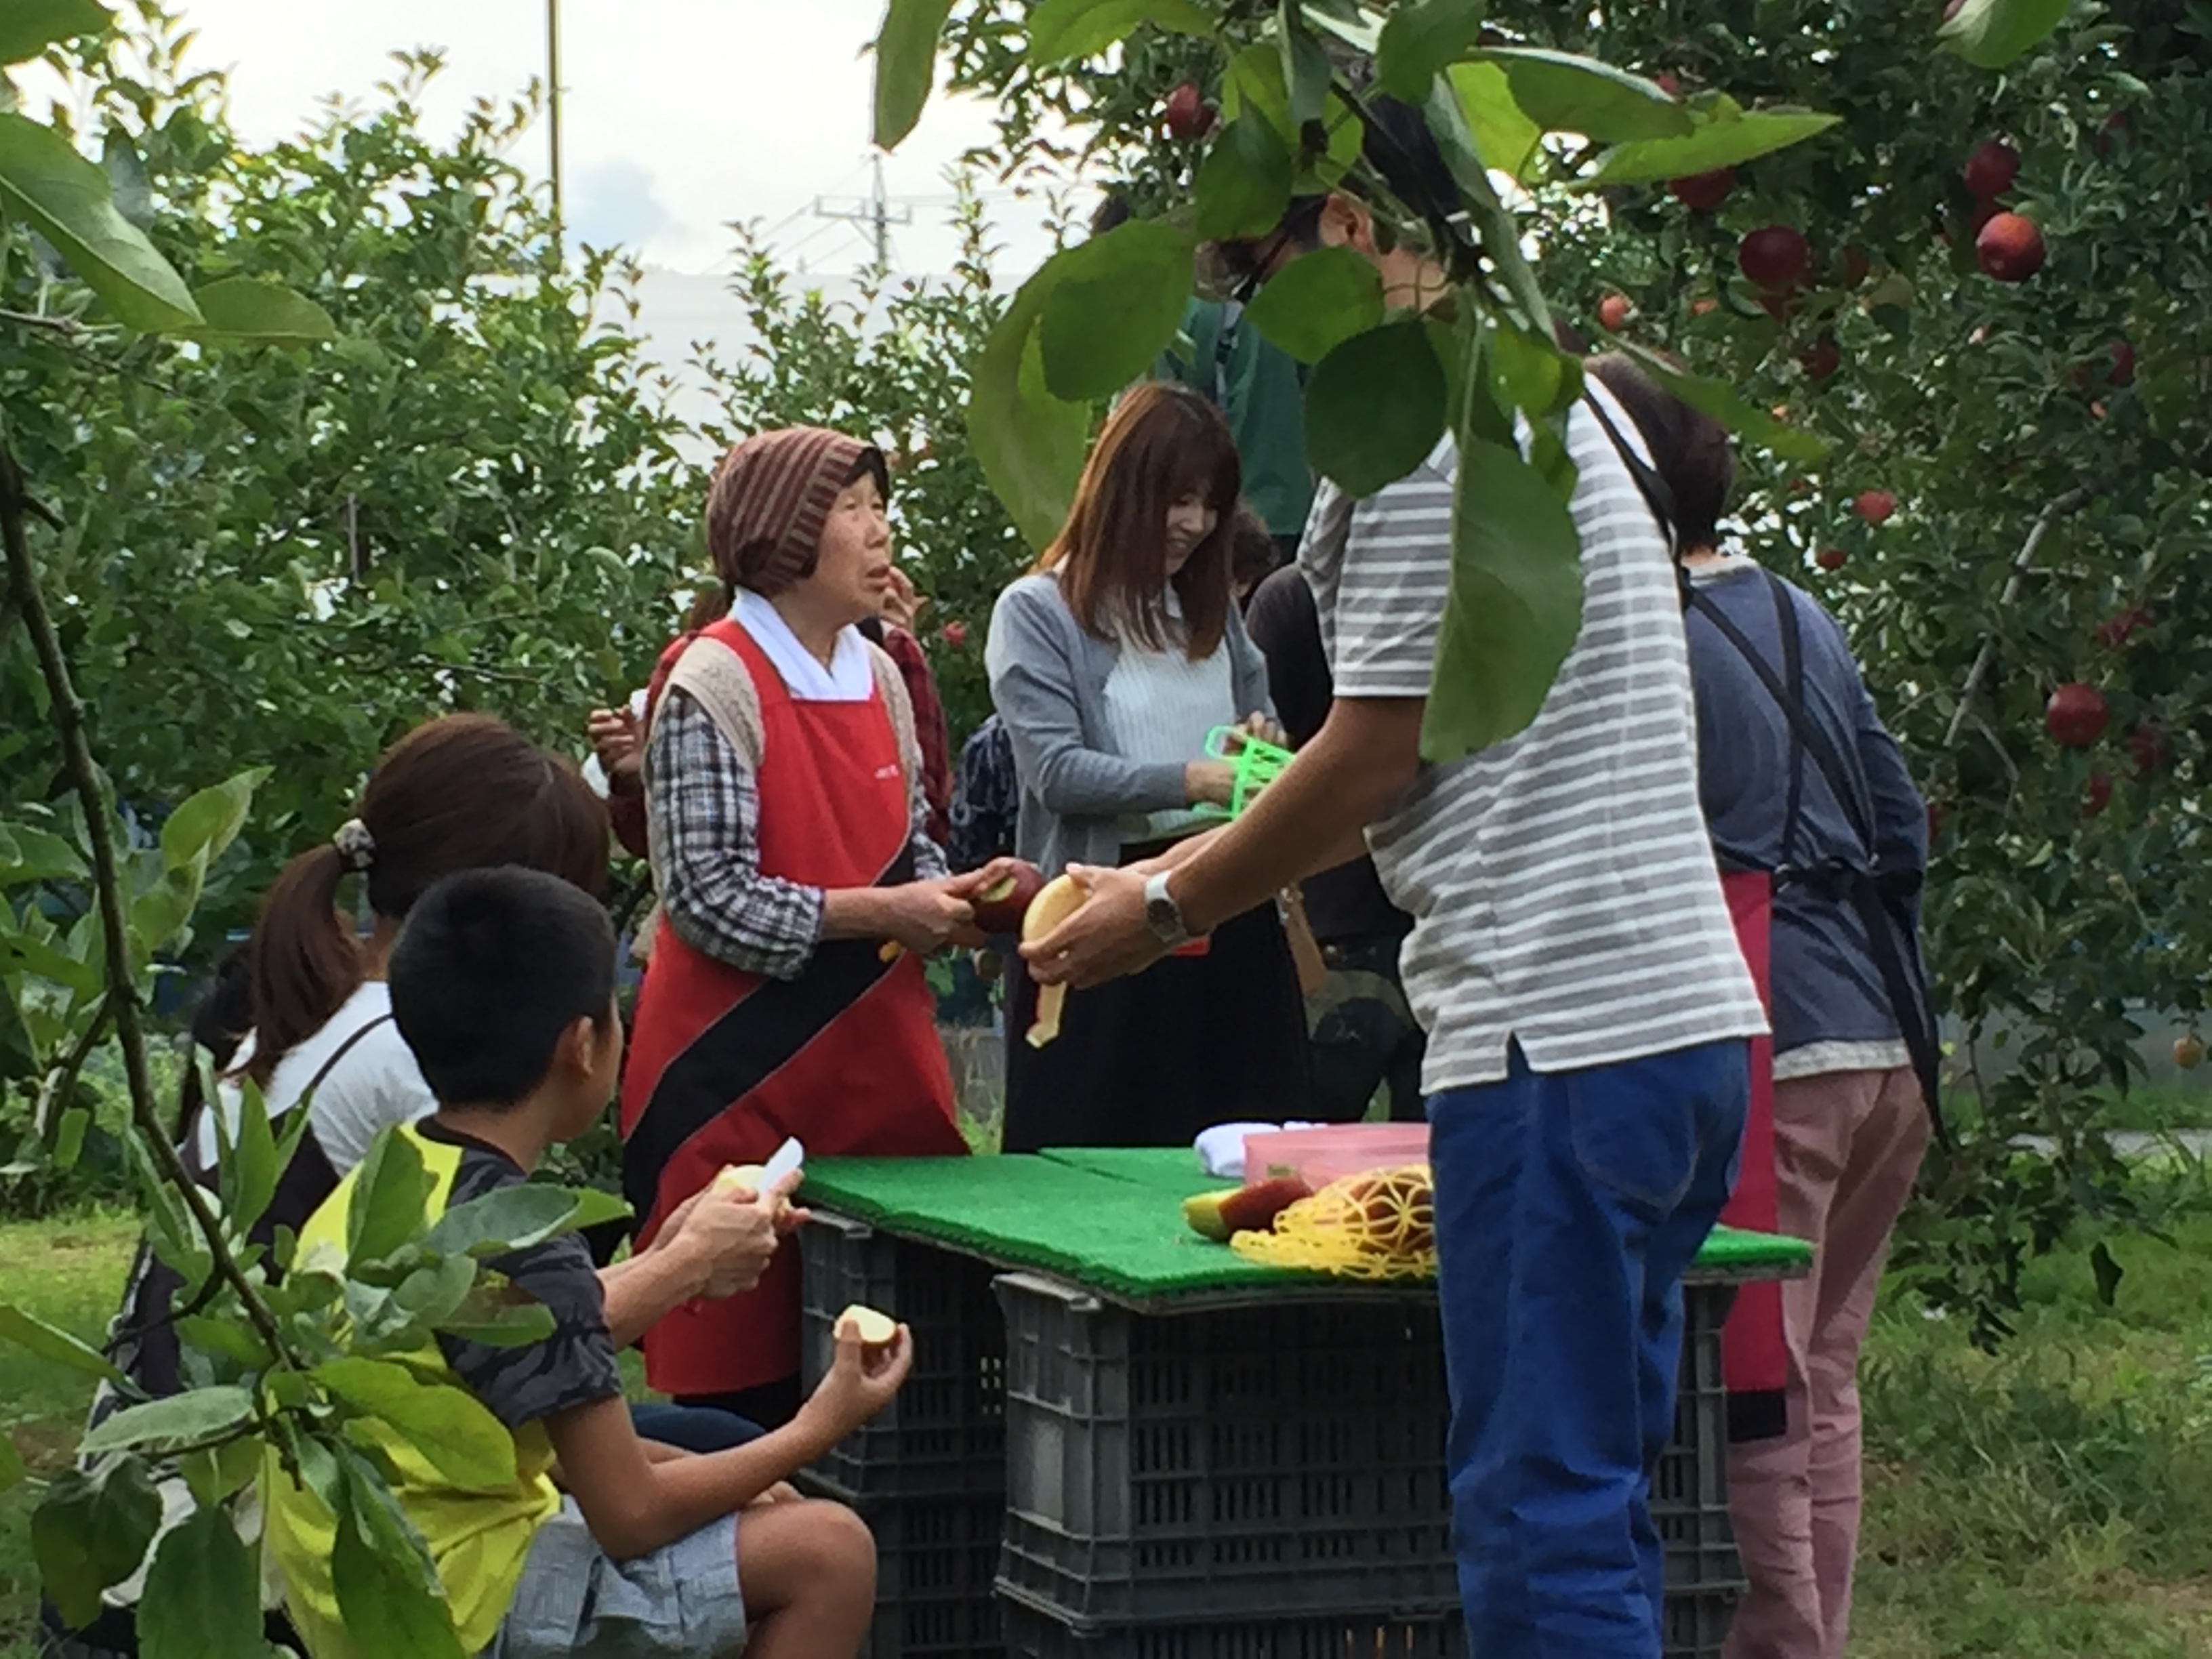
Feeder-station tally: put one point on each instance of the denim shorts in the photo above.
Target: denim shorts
(575, 1600)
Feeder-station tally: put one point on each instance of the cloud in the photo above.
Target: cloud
(612, 199)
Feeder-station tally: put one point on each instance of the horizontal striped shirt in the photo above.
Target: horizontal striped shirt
(1562, 884)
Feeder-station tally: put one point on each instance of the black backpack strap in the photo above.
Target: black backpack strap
(1883, 902)
(1793, 680)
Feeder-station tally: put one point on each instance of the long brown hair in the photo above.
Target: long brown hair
(1164, 443)
(461, 793)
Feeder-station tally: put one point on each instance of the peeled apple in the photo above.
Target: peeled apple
(1060, 899)
(747, 1175)
(875, 1330)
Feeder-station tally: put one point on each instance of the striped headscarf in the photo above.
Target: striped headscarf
(770, 498)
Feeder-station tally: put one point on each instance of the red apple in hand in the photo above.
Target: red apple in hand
(2009, 248)
(1874, 505)
(1000, 907)
(2075, 715)
(1703, 192)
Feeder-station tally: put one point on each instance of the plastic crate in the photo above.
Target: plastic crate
(1189, 1468)
(1035, 1632)
(945, 1433)
(936, 1561)
(1258, 1461)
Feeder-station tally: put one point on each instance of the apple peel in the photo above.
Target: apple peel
(1060, 899)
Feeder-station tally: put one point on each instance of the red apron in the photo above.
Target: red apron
(724, 1065)
(1754, 1361)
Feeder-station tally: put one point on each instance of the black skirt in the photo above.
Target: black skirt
(1152, 1060)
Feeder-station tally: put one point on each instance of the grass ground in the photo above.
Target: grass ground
(2051, 1503)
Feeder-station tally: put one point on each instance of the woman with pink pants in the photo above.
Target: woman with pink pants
(1802, 782)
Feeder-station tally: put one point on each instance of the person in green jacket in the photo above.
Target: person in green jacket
(1260, 390)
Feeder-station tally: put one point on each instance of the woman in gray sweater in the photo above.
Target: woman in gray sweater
(1109, 665)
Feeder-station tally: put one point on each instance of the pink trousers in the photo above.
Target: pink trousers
(1847, 1147)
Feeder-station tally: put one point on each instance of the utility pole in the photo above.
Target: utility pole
(553, 108)
(873, 210)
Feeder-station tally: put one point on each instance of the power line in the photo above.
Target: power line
(873, 209)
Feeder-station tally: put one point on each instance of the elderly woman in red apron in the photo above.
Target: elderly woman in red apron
(1822, 838)
(786, 813)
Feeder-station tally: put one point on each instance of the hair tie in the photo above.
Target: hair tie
(354, 844)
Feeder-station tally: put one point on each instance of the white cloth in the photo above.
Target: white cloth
(377, 1085)
(1221, 1149)
(1160, 707)
(848, 679)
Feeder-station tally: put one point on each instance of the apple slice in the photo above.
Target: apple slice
(875, 1330)
(1058, 900)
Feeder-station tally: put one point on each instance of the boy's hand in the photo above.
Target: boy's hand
(732, 1235)
(860, 1382)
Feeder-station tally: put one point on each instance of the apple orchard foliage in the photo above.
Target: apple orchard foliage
(1837, 285)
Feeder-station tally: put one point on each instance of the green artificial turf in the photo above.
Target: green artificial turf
(1112, 1220)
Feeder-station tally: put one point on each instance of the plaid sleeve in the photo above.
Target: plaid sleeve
(703, 815)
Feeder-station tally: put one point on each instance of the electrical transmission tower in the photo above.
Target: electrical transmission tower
(873, 210)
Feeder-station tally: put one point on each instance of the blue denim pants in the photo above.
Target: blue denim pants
(1567, 1208)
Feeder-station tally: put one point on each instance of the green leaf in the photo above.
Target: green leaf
(1305, 65)
(1317, 301)
(1244, 183)
(210, 821)
(1562, 92)
(164, 911)
(1724, 137)
(216, 1472)
(2108, 1271)
(515, 1218)
(391, 1193)
(1538, 378)
(1375, 407)
(180, 1420)
(1514, 608)
(1991, 34)
(1063, 30)
(433, 1293)
(1029, 444)
(448, 1426)
(1419, 39)
(43, 1339)
(67, 200)
(250, 311)
(487, 1316)
(249, 1177)
(27, 854)
(1719, 399)
(906, 65)
(28, 28)
(1117, 307)
(388, 1591)
(69, 1137)
(206, 1588)
(91, 1531)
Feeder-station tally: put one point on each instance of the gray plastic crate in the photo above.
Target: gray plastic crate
(1206, 1466)
(936, 1559)
(1222, 1463)
(1035, 1632)
(944, 1432)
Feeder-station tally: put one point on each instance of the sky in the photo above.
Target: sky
(678, 116)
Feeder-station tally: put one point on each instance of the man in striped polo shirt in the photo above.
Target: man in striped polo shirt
(1574, 964)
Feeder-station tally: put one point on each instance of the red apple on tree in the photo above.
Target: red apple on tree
(1990, 170)
(2098, 795)
(1822, 358)
(1186, 114)
(954, 633)
(2009, 247)
(1774, 257)
(1704, 192)
(2146, 749)
(2075, 715)
(2117, 630)
(1829, 558)
(2123, 363)
(1614, 312)
(1874, 505)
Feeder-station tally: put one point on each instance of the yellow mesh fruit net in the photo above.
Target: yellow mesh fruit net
(1379, 1225)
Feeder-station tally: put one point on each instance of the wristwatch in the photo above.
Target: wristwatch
(1162, 914)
